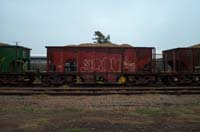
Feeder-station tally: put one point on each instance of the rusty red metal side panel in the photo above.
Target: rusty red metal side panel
(69, 55)
(58, 60)
(129, 60)
(57, 57)
(184, 60)
(114, 60)
(100, 60)
(86, 60)
(143, 59)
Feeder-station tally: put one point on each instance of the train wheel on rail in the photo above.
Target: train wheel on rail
(53, 80)
(13, 80)
(185, 80)
(1, 82)
(173, 81)
(160, 81)
(142, 80)
(151, 80)
(196, 81)
(45, 81)
(59, 80)
(25, 80)
(70, 80)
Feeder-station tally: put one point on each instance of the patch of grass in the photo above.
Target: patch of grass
(28, 126)
(71, 110)
(63, 111)
(32, 109)
(28, 109)
(2, 109)
(18, 109)
(180, 114)
(148, 111)
(33, 124)
(169, 111)
(182, 110)
(189, 114)
(72, 130)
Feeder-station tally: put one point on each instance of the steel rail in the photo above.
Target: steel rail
(99, 91)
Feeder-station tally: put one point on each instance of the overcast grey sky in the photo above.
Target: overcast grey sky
(163, 24)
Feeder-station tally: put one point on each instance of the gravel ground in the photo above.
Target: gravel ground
(110, 102)
(113, 113)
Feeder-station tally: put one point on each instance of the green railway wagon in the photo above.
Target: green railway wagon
(14, 59)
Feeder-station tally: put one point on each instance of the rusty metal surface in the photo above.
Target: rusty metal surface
(182, 60)
(106, 62)
(101, 59)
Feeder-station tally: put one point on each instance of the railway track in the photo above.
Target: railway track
(98, 91)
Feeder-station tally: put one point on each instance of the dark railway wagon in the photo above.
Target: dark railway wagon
(182, 60)
(99, 64)
(14, 64)
(182, 66)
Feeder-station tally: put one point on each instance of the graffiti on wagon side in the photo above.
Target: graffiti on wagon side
(112, 64)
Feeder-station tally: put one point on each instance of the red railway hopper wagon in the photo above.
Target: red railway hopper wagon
(99, 65)
(182, 66)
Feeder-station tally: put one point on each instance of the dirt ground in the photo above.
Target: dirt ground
(113, 113)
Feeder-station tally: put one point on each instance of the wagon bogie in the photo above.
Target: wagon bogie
(196, 80)
(54, 80)
(147, 80)
(16, 79)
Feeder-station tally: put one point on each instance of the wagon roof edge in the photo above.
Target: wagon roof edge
(11, 46)
(179, 49)
(97, 47)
